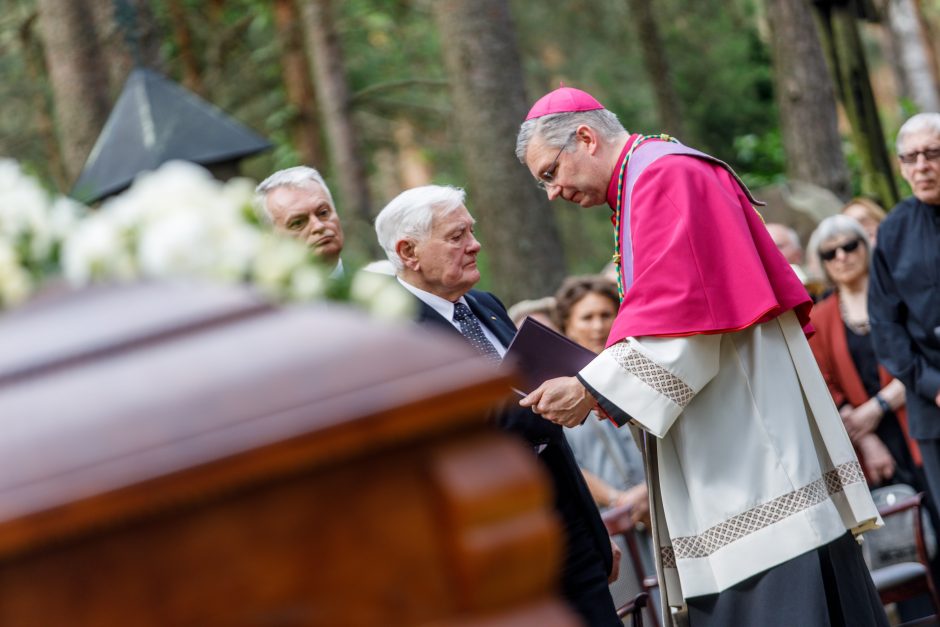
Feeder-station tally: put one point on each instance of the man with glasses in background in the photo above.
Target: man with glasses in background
(904, 288)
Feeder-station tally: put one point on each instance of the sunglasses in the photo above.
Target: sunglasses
(930, 154)
(829, 255)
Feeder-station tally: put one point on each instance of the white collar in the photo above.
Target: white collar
(338, 270)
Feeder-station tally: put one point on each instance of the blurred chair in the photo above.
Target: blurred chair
(898, 553)
(618, 523)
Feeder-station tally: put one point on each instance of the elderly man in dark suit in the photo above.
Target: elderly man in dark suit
(427, 234)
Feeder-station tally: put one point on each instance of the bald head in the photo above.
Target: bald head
(787, 241)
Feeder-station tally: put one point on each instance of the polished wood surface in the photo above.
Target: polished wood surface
(180, 455)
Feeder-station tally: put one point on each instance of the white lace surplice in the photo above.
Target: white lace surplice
(750, 465)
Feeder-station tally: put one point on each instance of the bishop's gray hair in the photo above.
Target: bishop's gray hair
(411, 214)
(916, 124)
(297, 176)
(556, 129)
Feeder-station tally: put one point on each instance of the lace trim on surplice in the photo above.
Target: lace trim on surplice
(651, 373)
(764, 515)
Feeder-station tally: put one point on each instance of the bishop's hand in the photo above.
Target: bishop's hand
(563, 401)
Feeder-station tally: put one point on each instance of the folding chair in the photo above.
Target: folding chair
(897, 554)
(618, 523)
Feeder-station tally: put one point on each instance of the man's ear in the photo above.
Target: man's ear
(588, 136)
(407, 253)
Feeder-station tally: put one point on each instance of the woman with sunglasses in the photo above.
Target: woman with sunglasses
(870, 401)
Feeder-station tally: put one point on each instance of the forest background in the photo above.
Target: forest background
(383, 95)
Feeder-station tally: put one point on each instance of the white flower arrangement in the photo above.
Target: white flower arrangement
(176, 221)
(381, 295)
(30, 227)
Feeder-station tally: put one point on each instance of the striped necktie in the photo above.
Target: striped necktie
(471, 329)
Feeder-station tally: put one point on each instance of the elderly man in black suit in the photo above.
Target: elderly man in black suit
(427, 234)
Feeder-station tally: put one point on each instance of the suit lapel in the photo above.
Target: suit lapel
(501, 328)
(426, 313)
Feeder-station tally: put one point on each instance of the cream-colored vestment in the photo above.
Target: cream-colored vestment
(748, 461)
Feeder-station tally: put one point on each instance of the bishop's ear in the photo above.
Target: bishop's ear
(588, 136)
(407, 253)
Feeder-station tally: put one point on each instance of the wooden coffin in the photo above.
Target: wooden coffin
(180, 455)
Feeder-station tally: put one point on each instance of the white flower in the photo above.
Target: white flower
(24, 214)
(308, 283)
(180, 244)
(15, 283)
(23, 202)
(175, 221)
(277, 259)
(176, 187)
(97, 249)
(393, 302)
(178, 221)
(365, 285)
(61, 219)
(64, 216)
(236, 249)
(239, 193)
(382, 295)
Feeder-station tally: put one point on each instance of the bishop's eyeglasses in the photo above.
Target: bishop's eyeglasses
(547, 177)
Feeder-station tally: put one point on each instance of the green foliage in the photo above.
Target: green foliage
(19, 137)
(719, 62)
(722, 73)
(396, 75)
(761, 158)
(591, 46)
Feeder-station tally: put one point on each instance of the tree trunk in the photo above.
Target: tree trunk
(298, 84)
(806, 99)
(515, 220)
(919, 80)
(838, 24)
(192, 75)
(116, 57)
(127, 37)
(657, 66)
(80, 89)
(329, 76)
(413, 168)
(36, 72)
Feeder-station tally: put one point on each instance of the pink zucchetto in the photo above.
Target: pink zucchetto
(563, 100)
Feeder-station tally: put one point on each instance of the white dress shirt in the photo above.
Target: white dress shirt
(446, 309)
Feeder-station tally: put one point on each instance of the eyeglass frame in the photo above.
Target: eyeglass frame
(910, 158)
(848, 247)
(547, 177)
